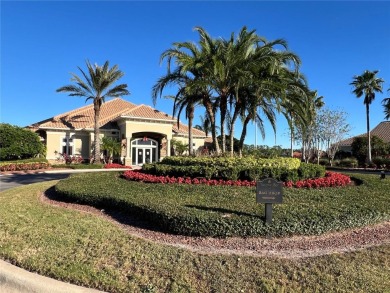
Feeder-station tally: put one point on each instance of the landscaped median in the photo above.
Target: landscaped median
(88, 250)
(222, 211)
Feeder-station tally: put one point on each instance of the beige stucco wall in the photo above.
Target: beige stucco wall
(53, 144)
(130, 128)
(199, 142)
(81, 144)
(83, 140)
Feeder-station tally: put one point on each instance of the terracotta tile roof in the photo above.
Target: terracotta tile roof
(183, 130)
(83, 118)
(144, 111)
(382, 130)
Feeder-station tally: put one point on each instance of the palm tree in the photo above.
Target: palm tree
(112, 146)
(386, 106)
(97, 86)
(367, 84)
(190, 75)
(184, 101)
(204, 125)
(305, 125)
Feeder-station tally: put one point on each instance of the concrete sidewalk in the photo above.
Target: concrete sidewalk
(17, 280)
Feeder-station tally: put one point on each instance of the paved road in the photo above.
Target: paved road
(15, 180)
(8, 181)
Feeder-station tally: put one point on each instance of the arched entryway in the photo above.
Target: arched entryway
(144, 150)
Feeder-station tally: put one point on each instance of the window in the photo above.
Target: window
(67, 146)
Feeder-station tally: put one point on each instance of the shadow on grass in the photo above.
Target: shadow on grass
(223, 211)
(124, 218)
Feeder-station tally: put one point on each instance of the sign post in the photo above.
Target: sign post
(269, 191)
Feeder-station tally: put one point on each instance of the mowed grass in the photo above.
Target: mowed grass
(87, 250)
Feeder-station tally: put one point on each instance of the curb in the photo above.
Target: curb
(16, 280)
(64, 171)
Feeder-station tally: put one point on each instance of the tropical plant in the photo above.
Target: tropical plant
(386, 106)
(179, 147)
(367, 85)
(306, 130)
(97, 86)
(112, 146)
(204, 125)
(190, 77)
(236, 77)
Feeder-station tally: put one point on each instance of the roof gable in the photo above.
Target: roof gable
(382, 130)
(83, 118)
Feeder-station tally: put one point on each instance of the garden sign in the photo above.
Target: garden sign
(269, 191)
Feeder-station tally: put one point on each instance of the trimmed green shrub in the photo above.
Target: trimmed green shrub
(234, 171)
(381, 162)
(348, 163)
(248, 161)
(222, 211)
(18, 143)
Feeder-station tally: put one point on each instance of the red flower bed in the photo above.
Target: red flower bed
(330, 179)
(115, 166)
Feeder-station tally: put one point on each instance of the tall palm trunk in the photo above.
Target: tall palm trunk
(223, 110)
(234, 118)
(96, 155)
(368, 134)
(243, 134)
(210, 113)
(190, 135)
(292, 141)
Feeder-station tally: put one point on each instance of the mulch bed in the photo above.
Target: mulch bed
(288, 248)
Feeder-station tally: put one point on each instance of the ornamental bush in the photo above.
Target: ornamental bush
(226, 170)
(18, 143)
(23, 166)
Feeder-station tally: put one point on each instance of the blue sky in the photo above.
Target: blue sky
(42, 42)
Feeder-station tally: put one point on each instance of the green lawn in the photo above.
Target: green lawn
(87, 250)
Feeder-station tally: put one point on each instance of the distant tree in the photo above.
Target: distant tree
(367, 84)
(97, 86)
(333, 128)
(359, 148)
(19, 143)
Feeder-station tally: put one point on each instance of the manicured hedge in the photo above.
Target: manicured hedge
(20, 166)
(247, 161)
(221, 211)
(236, 172)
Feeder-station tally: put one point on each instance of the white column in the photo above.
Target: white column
(168, 147)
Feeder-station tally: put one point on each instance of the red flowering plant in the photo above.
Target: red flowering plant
(23, 166)
(115, 166)
(331, 179)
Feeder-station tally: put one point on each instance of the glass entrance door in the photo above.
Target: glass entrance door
(144, 151)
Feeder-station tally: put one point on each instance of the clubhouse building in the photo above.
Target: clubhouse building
(145, 133)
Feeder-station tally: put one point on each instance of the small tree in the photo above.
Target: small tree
(179, 147)
(359, 148)
(19, 143)
(112, 146)
(334, 128)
